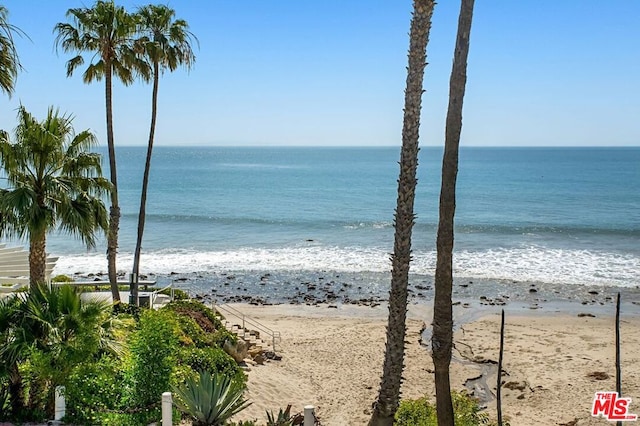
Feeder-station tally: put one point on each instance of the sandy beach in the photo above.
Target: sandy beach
(332, 358)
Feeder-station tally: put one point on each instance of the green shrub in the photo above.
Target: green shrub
(62, 279)
(195, 306)
(92, 388)
(199, 324)
(153, 348)
(214, 360)
(177, 293)
(420, 412)
(415, 412)
(151, 416)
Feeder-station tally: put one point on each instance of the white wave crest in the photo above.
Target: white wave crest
(523, 264)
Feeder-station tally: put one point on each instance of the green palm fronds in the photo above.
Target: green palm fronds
(53, 181)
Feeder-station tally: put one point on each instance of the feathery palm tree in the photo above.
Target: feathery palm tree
(9, 61)
(442, 339)
(165, 44)
(56, 330)
(106, 31)
(53, 181)
(389, 393)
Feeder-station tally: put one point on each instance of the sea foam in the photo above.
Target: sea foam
(535, 264)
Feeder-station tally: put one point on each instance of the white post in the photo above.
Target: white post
(167, 403)
(309, 417)
(59, 405)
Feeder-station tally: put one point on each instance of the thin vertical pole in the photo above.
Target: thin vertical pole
(618, 369)
(499, 386)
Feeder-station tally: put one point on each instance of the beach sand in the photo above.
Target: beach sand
(332, 359)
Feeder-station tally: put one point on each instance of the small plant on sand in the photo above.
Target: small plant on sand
(420, 412)
(210, 400)
(284, 418)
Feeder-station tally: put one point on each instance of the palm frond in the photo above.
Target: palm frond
(9, 60)
(54, 180)
(165, 41)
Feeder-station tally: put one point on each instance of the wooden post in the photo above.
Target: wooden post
(167, 405)
(309, 416)
(499, 387)
(618, 370)
(133, 289)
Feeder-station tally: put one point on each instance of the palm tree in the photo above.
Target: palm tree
(54, 181)
(9, 61)
(165, 44)
(56, 330)
(107, 31)
(442, 339)
(389, 393)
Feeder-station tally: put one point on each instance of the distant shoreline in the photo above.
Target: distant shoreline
(323, 288)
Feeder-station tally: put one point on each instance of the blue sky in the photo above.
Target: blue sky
(332, 72)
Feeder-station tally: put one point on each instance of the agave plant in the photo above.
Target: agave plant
(284, 418)
(210, 399)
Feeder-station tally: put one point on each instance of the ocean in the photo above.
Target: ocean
(568, 216)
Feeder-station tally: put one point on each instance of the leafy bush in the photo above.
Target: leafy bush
(211, 400)
(151, 416)
(62, 279)
(153, 349)
(420, 412)
(416, 412)
(212, 359)
(177, 293)
(93, 388)
(199, 324)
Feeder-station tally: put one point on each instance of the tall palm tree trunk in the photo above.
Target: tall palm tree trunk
(442, 339)
(389, 394)
(145, 178)
(37, 258)
(114, 211)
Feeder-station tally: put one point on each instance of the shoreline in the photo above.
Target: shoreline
(332, 358)
(371, 289)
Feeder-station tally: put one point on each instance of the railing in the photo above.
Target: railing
(152, 298)
(246, 320)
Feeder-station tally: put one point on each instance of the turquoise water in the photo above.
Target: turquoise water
(561, 215)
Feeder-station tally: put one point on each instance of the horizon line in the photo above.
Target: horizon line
(376, 146)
